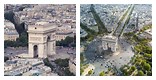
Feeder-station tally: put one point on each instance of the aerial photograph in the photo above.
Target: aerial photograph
(39, 40)
(116, 40)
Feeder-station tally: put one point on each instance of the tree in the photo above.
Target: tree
(81, 57)
(81, 71)
(67, 42)
(137, 63)
(147, 67)
(102, 73)
(73, 45)
(62, 62)
(9, 16)
(133, 68)
(147, 49)
(109, 69)
(90, 72)
(68, 73)
(21, 41)
(149, 73)
(148, 56)
(47, 63)
(138, 48)
(140, 73)
(143, 63)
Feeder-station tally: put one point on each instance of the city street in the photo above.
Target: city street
(123, 22)
(64, 53)
(10, 51)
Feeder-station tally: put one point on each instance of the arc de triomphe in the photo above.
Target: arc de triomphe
(42, 41)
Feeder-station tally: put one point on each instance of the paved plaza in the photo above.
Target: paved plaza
(102, 62)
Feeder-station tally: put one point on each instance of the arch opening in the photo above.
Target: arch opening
(35, 48)
(48, 38)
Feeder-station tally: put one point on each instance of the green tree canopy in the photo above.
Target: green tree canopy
(140, 73)
(133, 68)
(90, 72)
(102, 73)
(147, 67)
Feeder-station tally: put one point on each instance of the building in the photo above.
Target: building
(42, 42)
(11, 36)
(61, 35)
(26, 67)
(72, 65)
(10, 32)
(111, 42)
(148, 33)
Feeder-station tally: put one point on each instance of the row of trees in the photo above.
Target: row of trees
(143, 49)
(62, 62)
(127, 21)
(64, 66)
(21, 41)
(142, 60)
(121, 19)
(146, 27)
(48, 63)
(67, 42)
(83, 67)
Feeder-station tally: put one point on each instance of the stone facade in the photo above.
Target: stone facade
(110, 42)
(42, 41)
(10, 32)
(11, 37)
(72, 65)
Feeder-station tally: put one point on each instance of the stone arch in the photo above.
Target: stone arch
(35, 50)
(40, 41)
